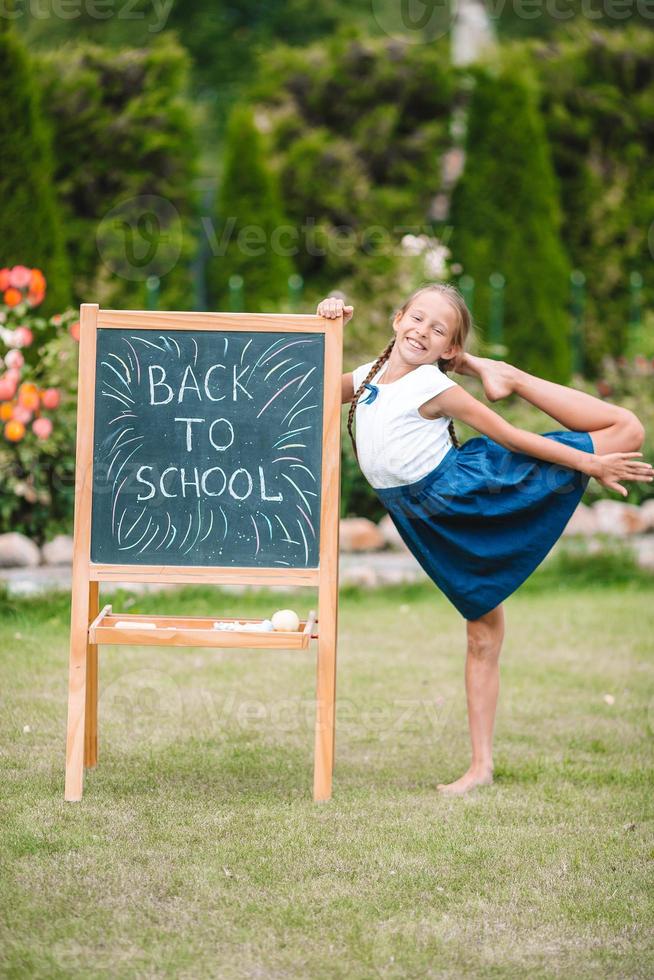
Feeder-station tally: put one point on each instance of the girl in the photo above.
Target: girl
(479, 517)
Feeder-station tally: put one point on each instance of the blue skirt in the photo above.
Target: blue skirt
(486, 517)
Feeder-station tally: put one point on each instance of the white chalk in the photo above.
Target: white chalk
(263, 627)
(124, 625)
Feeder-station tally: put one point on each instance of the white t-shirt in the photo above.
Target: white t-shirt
(395, 444)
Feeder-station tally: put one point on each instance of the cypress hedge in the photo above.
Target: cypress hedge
(31, 223)
(126, 166)
(505, 217)
(248, 216)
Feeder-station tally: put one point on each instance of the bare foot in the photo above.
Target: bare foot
(470, 780)
(497, 377)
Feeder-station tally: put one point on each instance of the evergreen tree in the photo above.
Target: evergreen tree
(124, 138)
(505, 218)
(248, 213)
(598, 104)
(31, 229)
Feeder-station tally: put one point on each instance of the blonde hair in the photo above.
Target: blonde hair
(462, 331)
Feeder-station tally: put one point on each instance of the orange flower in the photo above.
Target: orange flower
(4, 279)
(6, 411)
(74, 330)
(28, 396)
(14, 431)
(37, 281)
(12, 296)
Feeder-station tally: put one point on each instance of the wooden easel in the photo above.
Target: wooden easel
(91, 627)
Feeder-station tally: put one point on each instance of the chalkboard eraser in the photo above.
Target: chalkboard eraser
(125, 625)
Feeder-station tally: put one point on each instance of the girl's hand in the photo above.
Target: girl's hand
(333, 307)
(618, 466)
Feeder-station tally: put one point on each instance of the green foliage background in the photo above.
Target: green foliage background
(249, 212)
(341, 133)
(123, 126)
(597, 102)
(505, 216)
(31, 221)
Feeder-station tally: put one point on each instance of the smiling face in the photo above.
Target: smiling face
(425, 332)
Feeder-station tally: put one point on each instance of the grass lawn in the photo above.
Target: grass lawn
(198, 852)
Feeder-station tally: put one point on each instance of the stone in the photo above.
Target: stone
(647, 510)
(390, 533)
(644, 551)
(360, 534)
(362, 575)
(59, 551)
(17, 551)
(583, 521)
(615, 517)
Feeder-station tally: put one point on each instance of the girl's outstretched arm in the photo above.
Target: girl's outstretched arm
(457, 403)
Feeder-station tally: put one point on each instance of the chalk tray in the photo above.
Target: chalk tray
(194, 631)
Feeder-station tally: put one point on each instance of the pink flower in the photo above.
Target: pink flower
(23, 336)
(22, 414)
(34, 297)
(50, 398)
(42, 428)
(20, 276)
(14, 359)
(7, 388)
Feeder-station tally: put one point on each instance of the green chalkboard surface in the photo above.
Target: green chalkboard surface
(207, 448)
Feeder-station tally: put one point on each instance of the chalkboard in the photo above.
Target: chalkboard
(207, 448)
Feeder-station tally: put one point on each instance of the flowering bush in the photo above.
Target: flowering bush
(38, 359)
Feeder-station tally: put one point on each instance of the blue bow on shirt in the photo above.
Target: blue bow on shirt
(374, 391)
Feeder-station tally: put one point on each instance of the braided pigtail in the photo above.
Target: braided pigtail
(444, 365)
(453, 435)
(381, 360)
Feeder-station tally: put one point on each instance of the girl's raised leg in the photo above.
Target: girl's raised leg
(482, 675)
(612, 428)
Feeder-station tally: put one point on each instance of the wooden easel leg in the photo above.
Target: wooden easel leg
(91, 726)
(77, 693)
(325, 699)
